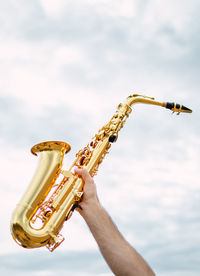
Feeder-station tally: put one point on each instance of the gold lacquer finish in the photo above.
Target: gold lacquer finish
(46, 204)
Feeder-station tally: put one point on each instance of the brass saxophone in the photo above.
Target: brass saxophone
(46, 204)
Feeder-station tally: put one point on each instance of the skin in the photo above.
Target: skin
(122, 259)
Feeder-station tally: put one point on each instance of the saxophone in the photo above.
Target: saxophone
(46, 204)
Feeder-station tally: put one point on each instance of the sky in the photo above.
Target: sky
(64, 68)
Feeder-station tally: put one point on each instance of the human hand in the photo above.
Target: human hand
(89, 190)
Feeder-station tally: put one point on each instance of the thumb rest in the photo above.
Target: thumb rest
(43, 209)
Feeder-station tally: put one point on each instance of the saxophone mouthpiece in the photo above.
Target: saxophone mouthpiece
(178, 108)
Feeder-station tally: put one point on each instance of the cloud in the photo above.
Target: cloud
(73, 263)
(111, 8)
(53, 9)
(65, 66)
(95, 52)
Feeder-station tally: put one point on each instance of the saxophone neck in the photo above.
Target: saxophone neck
(135, 98)
(118, 120)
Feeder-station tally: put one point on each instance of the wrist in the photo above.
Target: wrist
(90, 208)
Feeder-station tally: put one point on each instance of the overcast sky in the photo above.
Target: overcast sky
(64, 68)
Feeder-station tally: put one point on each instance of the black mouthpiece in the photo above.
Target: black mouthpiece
(178, 108)
(186, 109)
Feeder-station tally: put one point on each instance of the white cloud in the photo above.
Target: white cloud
(176, 14)
(66, 55)
(53, 8)
(82, 69)
(126, 8)
(35, 77)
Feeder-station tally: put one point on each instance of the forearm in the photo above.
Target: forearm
(120, 256)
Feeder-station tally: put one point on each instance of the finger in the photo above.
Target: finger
(84, 174)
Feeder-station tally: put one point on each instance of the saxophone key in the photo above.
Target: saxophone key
(77, 195)
(66, 173)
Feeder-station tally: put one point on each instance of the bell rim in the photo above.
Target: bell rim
(50, 145)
